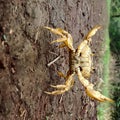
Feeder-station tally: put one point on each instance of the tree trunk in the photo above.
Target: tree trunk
(25, 52)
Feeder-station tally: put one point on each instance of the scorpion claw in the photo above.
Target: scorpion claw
(92, 32)
(96, 94)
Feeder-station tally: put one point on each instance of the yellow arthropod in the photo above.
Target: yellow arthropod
(80, 63)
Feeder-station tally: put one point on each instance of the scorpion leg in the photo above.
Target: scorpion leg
(57, 31)
(90, 90)
(59, 40)
(61, 74)
(63, 88)
(66, 38)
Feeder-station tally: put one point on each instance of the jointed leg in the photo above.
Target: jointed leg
(66, 38)
(61, 74)
(63, 88)
(57, 31)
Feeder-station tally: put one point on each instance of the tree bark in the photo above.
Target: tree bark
(25, 52)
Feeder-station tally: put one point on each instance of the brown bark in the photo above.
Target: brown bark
(25, 52)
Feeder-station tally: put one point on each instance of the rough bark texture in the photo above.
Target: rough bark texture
(25, 52)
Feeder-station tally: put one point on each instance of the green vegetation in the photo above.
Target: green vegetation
(114, 31)
(104, 108)
(114, 27)
(112, 44)
(116, 112)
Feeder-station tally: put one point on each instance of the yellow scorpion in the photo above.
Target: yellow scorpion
(80, 63)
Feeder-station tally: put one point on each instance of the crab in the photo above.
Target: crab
(80, 63)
